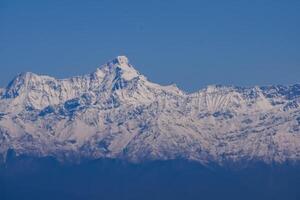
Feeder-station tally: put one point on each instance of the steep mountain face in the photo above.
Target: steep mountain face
(116, 112)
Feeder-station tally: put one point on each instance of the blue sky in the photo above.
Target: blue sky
(191, 43)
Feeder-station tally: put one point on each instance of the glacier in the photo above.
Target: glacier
(116, 112)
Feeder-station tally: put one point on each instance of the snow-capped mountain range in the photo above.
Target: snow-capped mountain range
(115, 112)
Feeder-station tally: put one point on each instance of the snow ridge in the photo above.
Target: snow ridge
(115, 112)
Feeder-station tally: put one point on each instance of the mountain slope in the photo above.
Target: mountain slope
(116, 112)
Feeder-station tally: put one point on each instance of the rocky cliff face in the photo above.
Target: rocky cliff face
(116, 112)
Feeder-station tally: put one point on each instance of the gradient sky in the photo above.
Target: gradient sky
(192, 43)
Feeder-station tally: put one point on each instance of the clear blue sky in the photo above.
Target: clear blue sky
(190, 42)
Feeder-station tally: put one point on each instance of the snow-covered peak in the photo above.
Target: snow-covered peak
(19, 84)
(121, 60)
(118, 67)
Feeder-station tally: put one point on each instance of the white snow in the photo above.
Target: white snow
(116, 112)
